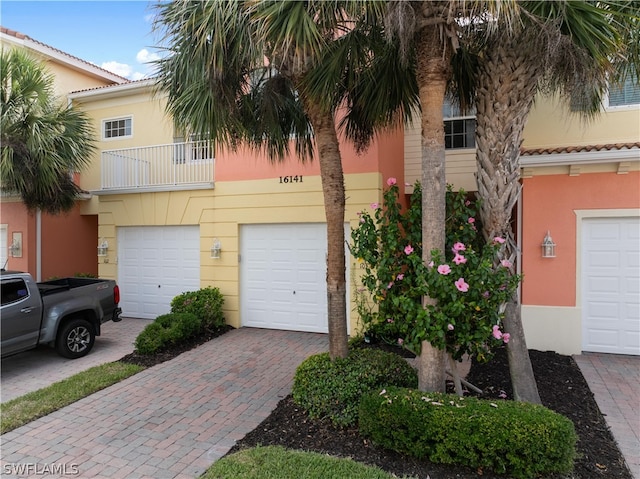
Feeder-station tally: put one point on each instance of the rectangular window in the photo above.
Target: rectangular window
(195, 149)
(459, 130)
(118, 128)
(625, 94)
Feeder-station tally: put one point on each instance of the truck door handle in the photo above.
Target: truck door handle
(26, 310)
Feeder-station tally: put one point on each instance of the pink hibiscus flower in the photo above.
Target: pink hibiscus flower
(444, 269)
(462, 285)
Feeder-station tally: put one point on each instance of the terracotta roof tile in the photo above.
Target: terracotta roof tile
(578, 149)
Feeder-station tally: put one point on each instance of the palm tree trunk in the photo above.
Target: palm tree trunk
(432, 73)
(507, 85)
(334, 204)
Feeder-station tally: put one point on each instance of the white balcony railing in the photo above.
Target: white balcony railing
(159, 167)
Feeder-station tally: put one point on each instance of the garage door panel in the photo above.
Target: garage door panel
(155, 264)
(611, 285)
(293, 259)
(603, 310)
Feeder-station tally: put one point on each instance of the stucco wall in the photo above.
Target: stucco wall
(552, 306)
(221, 212)
(550, 204)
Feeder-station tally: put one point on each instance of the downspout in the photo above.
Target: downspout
(39, 245)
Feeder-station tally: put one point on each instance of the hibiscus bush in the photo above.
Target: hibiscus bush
(469, 289)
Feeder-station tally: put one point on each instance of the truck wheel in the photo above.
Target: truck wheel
(75, 339)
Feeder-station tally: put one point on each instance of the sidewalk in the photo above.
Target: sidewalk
(172, 420)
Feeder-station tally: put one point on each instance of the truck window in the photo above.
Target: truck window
(13, 290)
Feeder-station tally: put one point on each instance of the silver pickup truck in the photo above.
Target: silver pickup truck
(64, 313)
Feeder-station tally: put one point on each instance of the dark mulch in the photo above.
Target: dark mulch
(561, 386)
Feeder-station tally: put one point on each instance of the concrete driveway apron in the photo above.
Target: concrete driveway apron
(170, 421)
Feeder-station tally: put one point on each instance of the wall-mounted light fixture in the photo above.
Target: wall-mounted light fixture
(216, 248)
(15, 249)
(548, 247)
(103, 247)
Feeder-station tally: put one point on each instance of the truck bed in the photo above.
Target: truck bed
(65, 284)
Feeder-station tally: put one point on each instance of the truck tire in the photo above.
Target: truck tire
(75, 339)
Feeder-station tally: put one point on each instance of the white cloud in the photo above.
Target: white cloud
(121, 69)
(145, 56)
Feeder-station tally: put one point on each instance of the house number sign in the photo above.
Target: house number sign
(291, 179)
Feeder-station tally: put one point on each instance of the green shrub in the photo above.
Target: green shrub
(166, 330)
(205, 304)
(519, 439)
(332, 389)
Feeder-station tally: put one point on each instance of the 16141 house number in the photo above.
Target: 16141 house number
(291, 179)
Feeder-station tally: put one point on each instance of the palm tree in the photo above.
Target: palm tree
(43, 141)
(261, 73)
(429, 34)
(571, 47)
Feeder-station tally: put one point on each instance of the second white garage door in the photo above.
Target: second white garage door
(283, 277)
(155, 264)
(611, 285)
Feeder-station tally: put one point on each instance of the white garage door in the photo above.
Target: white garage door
(611, 285)
(283, 276)
(155, 264)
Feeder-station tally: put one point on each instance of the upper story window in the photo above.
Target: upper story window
(459, 130)
(625, 94)
(116, 128)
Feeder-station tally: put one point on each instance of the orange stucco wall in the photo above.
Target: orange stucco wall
(18, 220)
(69, 243)
(384, 155)
(549, 203)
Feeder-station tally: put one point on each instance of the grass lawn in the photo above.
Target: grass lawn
(31, 406)
(275, 462)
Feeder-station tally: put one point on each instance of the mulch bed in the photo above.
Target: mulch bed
(561, 386)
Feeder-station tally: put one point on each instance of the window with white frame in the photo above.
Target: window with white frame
(459, 130)
(626, 93)
(195, 149)
(116, 128)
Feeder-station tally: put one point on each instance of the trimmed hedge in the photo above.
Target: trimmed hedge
(205, 304)
(519, 439)
(166, 330)
(332, 389)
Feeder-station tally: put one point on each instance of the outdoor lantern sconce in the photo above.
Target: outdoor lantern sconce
(103, 248)
(216, 248)
(548, 247)
(15, 250)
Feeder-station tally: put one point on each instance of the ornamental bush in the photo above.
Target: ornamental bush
(166, 330)
(469, 289)
(332, 389)
(205, 304)
(518, 439)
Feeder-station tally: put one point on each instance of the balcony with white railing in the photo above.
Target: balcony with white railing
(177, 166)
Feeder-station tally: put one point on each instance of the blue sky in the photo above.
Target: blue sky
(116, 35)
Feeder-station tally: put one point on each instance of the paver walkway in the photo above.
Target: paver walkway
(175, 419)
(615, 383)
(170, 421)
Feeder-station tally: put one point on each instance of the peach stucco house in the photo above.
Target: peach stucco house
(47, 245)
(174, 216)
